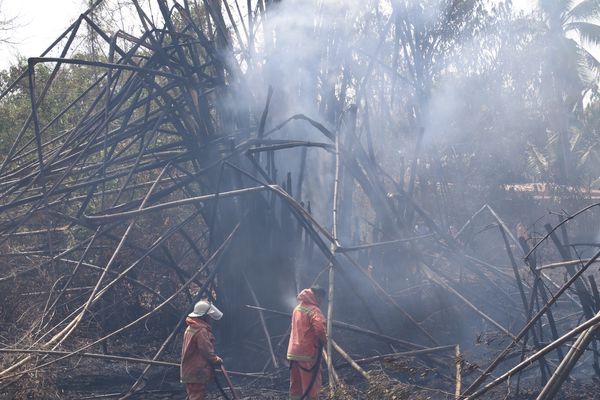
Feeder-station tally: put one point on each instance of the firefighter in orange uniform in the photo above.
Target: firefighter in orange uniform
(307, 338)
(198, 358)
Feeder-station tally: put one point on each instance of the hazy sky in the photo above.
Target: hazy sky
(42, 21)
(39, 23)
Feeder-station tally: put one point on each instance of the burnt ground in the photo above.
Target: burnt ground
(398, 379)
(406, 378)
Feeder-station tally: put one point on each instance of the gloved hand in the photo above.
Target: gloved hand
(218, 361)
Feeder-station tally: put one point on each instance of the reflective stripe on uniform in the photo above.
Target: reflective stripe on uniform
(193, 331)
(305, 310)
(298, 357)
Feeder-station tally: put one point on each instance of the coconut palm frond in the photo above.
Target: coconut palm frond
(588, 32)
(576, 136)
(552, 139)
(589, 68)
(555, 9)
(591, 151)
(585, 10)
(537, 161)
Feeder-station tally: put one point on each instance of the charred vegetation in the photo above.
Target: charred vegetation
(242, 152)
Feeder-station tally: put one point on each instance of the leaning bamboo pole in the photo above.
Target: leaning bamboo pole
(458, 372)
(568, 363)
(563, 264)
(349, 359)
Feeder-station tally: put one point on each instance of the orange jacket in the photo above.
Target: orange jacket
(308, 328)
(198, 352)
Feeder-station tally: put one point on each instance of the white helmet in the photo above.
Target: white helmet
(204, 307)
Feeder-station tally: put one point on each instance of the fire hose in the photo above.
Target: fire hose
(229, 383)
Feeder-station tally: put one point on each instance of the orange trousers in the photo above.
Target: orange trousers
(300, 377)
(195, 391)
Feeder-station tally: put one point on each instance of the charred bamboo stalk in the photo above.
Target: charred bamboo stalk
(532, 358)
(513, 263)
(334, 245)
(526, 309)
(432, 276)
(134, 360)
(564, 221)
(357, 329)
(141, 380)
(582, 293)
(216, 254)
(57, 339)
(391, 300)
(262, 321)
(529, 324)
(145, 210)
(309, 223)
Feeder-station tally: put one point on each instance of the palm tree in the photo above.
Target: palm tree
(571, 69)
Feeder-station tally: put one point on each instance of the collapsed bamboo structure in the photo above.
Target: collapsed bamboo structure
(163, 191)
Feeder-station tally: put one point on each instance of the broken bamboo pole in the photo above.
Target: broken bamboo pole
(568, 363)
(458, 370)
(563, 264)
(349, 359)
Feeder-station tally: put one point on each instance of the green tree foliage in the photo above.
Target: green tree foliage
(64, 94)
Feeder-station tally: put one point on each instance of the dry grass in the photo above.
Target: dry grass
(381, 386)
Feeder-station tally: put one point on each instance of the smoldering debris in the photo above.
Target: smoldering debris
(242, 154)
